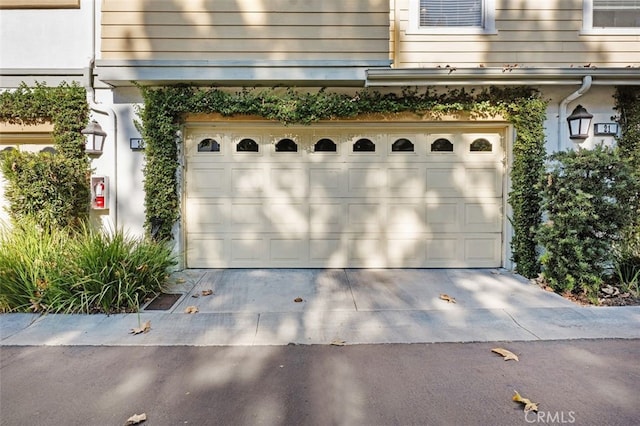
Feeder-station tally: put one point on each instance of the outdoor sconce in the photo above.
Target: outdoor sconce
(579, 124)
(95, 138)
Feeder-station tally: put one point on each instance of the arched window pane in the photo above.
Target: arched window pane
(481, 145)
(402, 145)
(49, 149)
(442, 145)
(286, 145)
(364, 145)
(208, 145)
(247, 145)
(325, 145)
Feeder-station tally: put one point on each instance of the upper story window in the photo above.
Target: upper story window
(611, 16)
(452, 17)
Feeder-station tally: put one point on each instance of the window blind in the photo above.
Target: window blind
(451, 13)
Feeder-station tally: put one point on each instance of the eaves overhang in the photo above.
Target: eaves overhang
(513, 76)
(235, 73)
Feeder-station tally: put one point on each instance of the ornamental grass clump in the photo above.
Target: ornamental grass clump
(86, 271)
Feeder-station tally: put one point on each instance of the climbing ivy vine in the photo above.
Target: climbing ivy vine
(165, 109)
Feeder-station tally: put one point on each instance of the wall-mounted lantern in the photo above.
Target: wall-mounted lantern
(579, 123)
(95, 138)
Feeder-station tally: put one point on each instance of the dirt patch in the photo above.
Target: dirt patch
(609, 295)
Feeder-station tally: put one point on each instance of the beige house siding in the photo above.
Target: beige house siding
(244, 30)
(541, 33)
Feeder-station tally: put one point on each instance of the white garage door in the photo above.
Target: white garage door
(328, 196)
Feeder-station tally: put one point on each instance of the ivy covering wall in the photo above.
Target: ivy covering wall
(53, 188)
(165, 108)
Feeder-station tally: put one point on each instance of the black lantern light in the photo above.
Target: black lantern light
(579, 123)
(95, 138)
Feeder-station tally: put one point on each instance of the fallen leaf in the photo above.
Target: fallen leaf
(338, 342)
(528, 405)
(191, 310)
(506, 354)
(207, 292)
(136, 419)
(447, 298)
(298, 299)
(180, 281)
(146, 326)
(195, 295)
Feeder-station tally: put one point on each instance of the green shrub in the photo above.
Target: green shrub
(589, 200)
(88, 271)
(49, 187)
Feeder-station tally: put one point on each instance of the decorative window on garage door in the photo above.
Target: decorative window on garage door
(286, 145)
(364, 145)
(442, 145)
(402, 145)
(247, 145)
(208, 145)
(325, 145)
(481, 145)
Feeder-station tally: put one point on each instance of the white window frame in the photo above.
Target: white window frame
(489, 21)
(587, 24)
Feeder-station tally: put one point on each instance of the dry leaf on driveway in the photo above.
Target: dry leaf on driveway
(146, 326)
(506, 354)
(298, 299)
(191, 310)
(528, 405)
(136, 419)
(338, 342)
(208, 292)
(447, 298)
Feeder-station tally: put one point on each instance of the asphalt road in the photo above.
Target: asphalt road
(582, 382)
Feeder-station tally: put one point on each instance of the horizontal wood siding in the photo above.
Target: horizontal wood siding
(540, 33)
(221, 30)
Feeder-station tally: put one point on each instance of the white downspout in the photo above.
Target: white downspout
(562, 108)
(93, 106)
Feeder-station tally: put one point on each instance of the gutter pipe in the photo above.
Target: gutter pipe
(95, 107)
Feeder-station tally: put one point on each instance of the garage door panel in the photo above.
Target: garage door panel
(289, 182)
(483, 216)
(404, 251)
(247, 249)
(365, 217)
(326, 216)
(326, 182)
(291, 250)
(406, 182)
(367, 252)
(366, 181)
(204, 216)
(204, 251)
(406, 218)
(481, 249)
(248, 216)
(289, 218)
(248, 181)
(443, 250)
(328, 251)
(443, 216)
(485, 181)
(206, 181)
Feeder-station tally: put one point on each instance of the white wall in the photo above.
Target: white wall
(46, 38)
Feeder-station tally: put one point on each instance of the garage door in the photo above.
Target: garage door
(328, 196)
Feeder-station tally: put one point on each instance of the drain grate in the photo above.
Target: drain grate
(163, 302)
